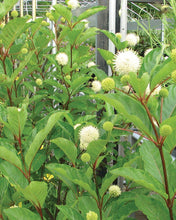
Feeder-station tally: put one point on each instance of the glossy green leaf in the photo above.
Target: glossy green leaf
(16, 119)
(87, 34)
(107, 55)
(118, 44)
(169, 104)
(154, 209)
(13, 175)
(63, 11)
(89, 12)
(70, 213)
(12, 30)
(40, 137)
(142, 178)
(71, 175)
(10, 156)
(107, 181)
(68, 147)
(4, 188)
(6, 6)
(36, 193)
(95, 148)
(163, 73)
(21, 214)
(128, 107)
(150, 61)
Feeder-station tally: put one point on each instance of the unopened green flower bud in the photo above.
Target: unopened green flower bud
(165, 130)
(51, 17)
(109, 62)
(173, 55)
(68, 77)
(118, 35)
(48, 14)
(85, 157)
(108, 126)
(24, 50)
(114, 191)
(125, 79)
(14, 14)
(164, 92)
(91, 216)
(39, 82)
(63, 20)
(173, 76)
(108, 84)
(44, 23)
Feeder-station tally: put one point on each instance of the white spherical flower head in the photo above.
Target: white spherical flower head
(132, 39)
(83, 145)
(73, 4)
(89, 133)
(96, 86)
(90, 64)
(127, 61)
(62, 58)
(114, 191)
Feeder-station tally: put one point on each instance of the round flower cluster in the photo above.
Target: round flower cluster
(14, 14)
(108, 84)
(88, 134)
(126, 61)
(165, 130)
(118, 35)
(91, 216)
(164, 92)
(39, 82)
(132, 39)
(108, 126)
(114, 191)
(85, 157)
(96, 86)
(73, 4)
(125, 79)
(24, 50)
(62, 58)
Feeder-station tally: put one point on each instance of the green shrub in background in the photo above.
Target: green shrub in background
(61, 119)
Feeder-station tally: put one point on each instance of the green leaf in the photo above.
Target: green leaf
(4, 188)
(21, 214)
(169, 105)
(78, 83)
(69, 174)
(150, 61)
(107, 55)
(115, 40)
(22, 65)
(36, 193)
(154, 209)
(86, 35)
(128, 107)
(40, 137)
(139, 84)
(95, 148)
(89, 12)
(67, 147)
(10, 156)
(167, 68)
(107, 181)
(12, 30)
(86, 204)
(16, 119)
(142, 178)
(69, 212)
(63, 11)
(6, 6)
(13, 175)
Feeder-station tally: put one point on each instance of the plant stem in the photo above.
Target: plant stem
(168, 201)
